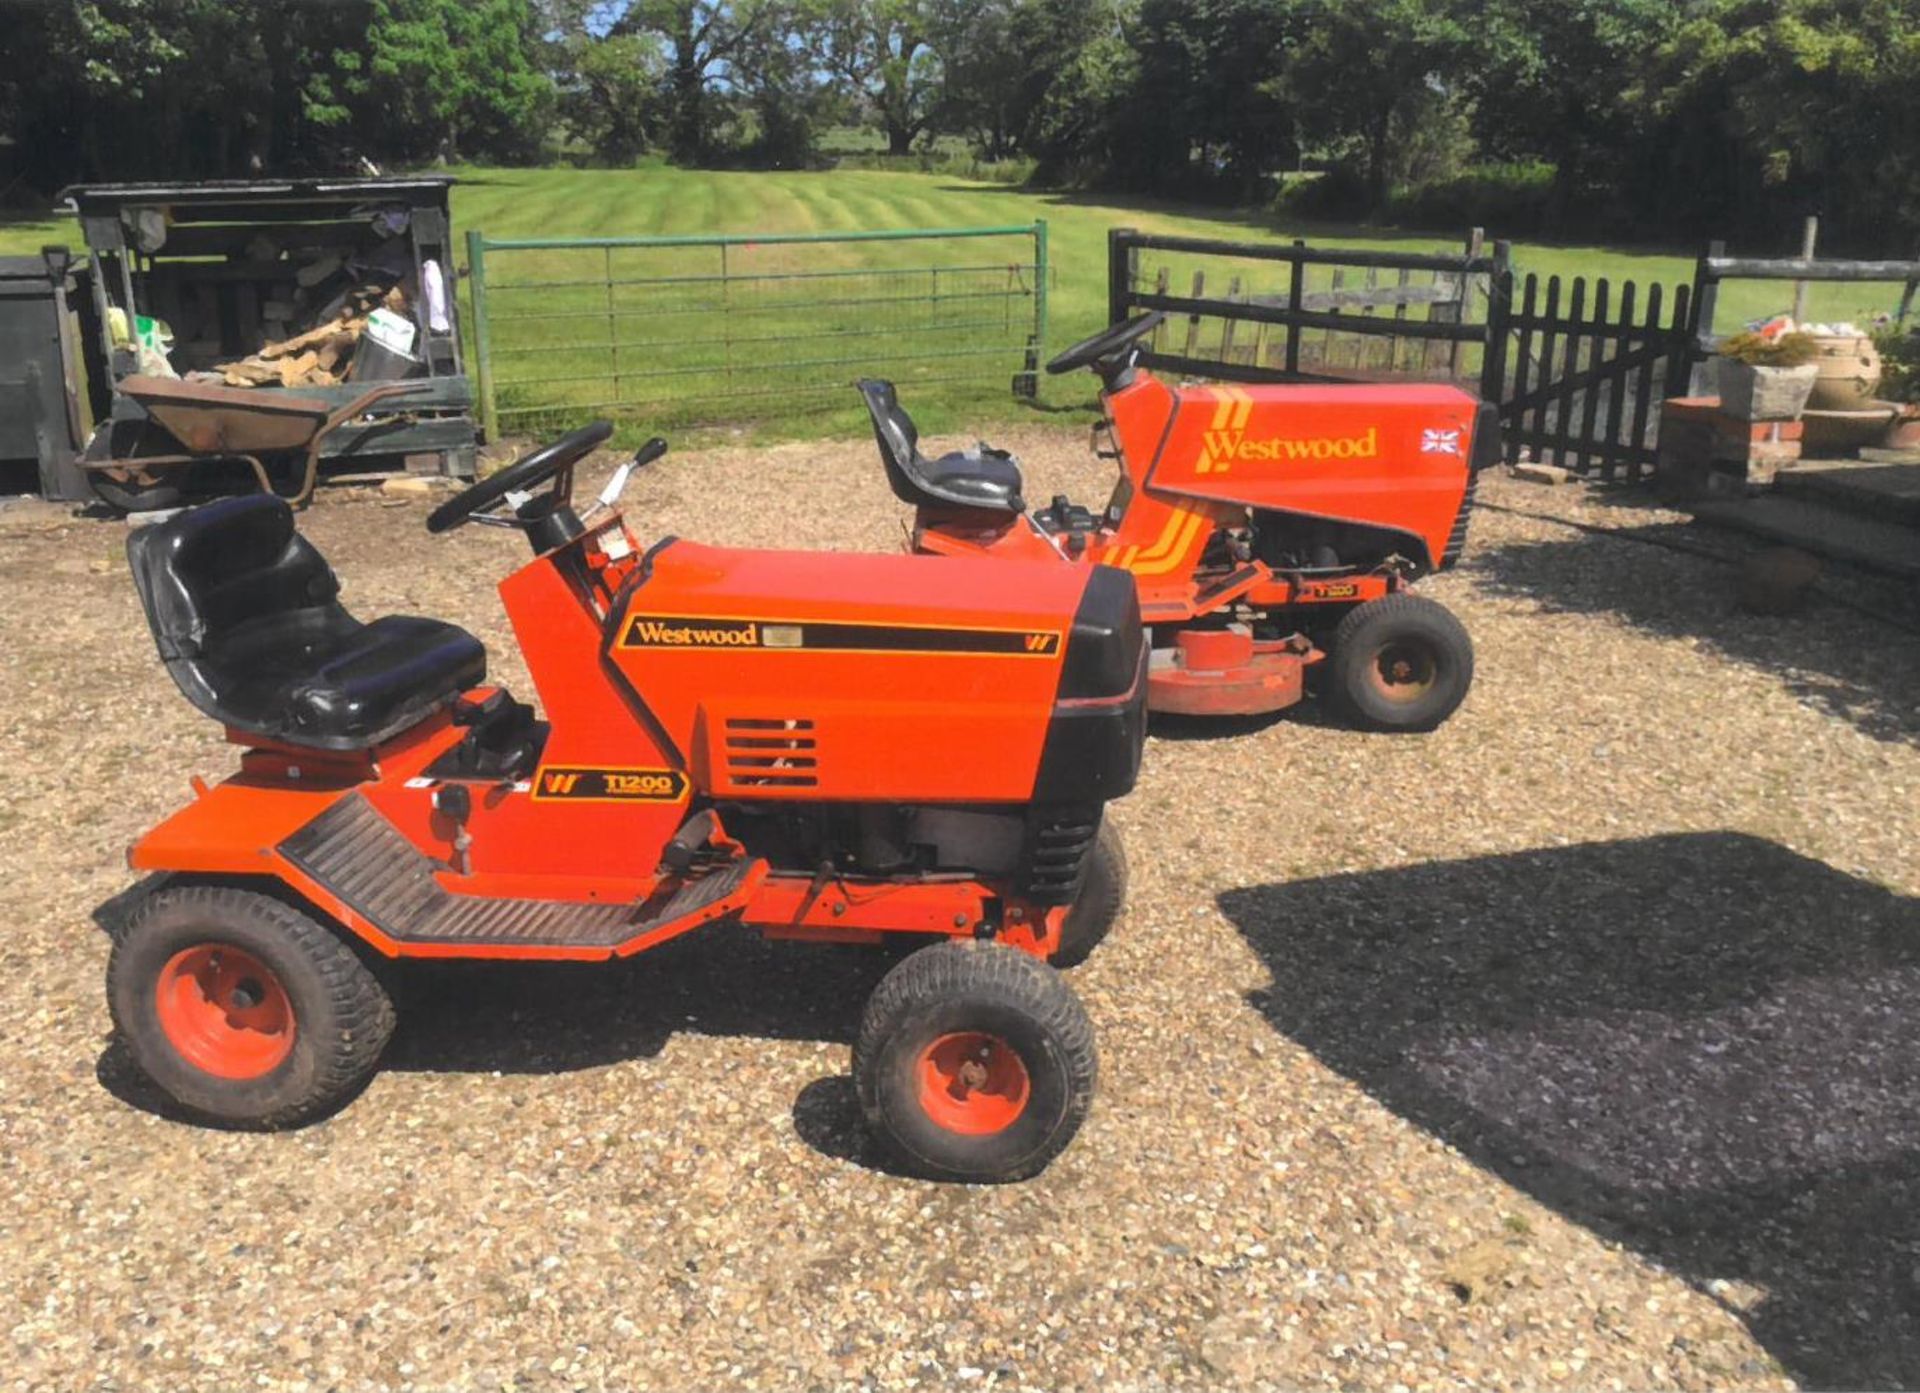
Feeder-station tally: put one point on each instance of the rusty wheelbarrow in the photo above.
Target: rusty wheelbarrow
(233, 423)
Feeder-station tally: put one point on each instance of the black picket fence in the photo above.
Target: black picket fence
(1588, 375)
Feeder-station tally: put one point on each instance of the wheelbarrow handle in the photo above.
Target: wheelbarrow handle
(373, 394)
(356, 407)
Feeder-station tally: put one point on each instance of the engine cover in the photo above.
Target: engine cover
(878, 678)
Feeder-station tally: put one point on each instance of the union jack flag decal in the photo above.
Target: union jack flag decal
(1440, 442)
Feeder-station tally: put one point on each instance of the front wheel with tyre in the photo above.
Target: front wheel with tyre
(244, 1009)
(974, 1062)
(1399, 663)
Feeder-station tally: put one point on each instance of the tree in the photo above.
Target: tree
(1074, 129)
(443, 76)
(702, 41)
(208, 88)
(612, 94)
(1559, 80)
(1772, 108)
(191, 88)
(1004, 61)
(1204, 105)
(783, 101)
(882, 49)
(1364, 71)
(980, 73)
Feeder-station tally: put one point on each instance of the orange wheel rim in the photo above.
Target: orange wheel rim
(1404, 671)
(973, 1083)
(225, 1011)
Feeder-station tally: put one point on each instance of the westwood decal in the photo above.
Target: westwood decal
(649, 632)
(1221, 449)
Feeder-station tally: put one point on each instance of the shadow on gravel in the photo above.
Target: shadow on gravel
(826, 1116)
(1862, 671)
(1704, 1046)
(550, 1018)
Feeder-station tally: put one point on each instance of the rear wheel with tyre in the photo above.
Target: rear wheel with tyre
(975, 1062)
(1400, 663)
(244, 1009)
(1102, 896)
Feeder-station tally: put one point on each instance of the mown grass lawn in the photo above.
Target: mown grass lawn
(655, 201)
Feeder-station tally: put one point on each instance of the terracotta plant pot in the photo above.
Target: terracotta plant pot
(1904, 433)
(1843, 432)
(1849, 373)
(1764, 394)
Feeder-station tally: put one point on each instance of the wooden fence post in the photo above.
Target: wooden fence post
(1121, 268)
(1493, 359)
(1298, 271)
(1706, 296)
(1809, 238)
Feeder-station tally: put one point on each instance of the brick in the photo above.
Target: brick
(1706, 413)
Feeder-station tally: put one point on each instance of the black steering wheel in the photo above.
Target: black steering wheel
(555, 461)
(1110, 342)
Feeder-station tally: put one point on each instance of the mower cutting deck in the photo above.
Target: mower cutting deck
(1274, 531)
(764, 738)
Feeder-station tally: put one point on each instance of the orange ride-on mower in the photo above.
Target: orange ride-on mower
(840, 749)
(1273, 530)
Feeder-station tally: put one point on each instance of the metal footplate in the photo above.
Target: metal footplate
(367, 863)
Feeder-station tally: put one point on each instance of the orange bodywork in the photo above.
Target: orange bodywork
(830, 721)
(672, 680)
(1200, 460)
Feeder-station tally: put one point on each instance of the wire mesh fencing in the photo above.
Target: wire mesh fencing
(692, 329)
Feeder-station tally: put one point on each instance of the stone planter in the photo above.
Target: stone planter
(1849, 373)
(1764, 394)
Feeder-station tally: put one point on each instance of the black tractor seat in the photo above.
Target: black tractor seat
(246, 616)
(982, 477)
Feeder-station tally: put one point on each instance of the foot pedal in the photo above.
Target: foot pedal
(695, 836)
(702, 898)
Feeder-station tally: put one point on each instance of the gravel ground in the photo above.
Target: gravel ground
(1572, 1045)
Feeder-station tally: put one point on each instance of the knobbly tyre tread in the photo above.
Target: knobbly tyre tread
(351, 997)
(1102, 897)
(1000, 979)
(1347, 681)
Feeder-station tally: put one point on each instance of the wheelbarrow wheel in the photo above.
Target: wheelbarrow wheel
(132, 496)
(121, 441)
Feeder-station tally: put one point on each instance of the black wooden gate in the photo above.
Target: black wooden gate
(1588, 375)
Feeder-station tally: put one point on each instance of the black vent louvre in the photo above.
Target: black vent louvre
(764, 752)
(1457, 538)
(1058, 840)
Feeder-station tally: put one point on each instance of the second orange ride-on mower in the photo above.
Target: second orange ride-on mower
(1273, 530)
(829, 748)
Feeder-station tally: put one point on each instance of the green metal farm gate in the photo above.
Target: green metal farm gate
(698, 328)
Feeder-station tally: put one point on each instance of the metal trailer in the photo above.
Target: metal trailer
(214, 260)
